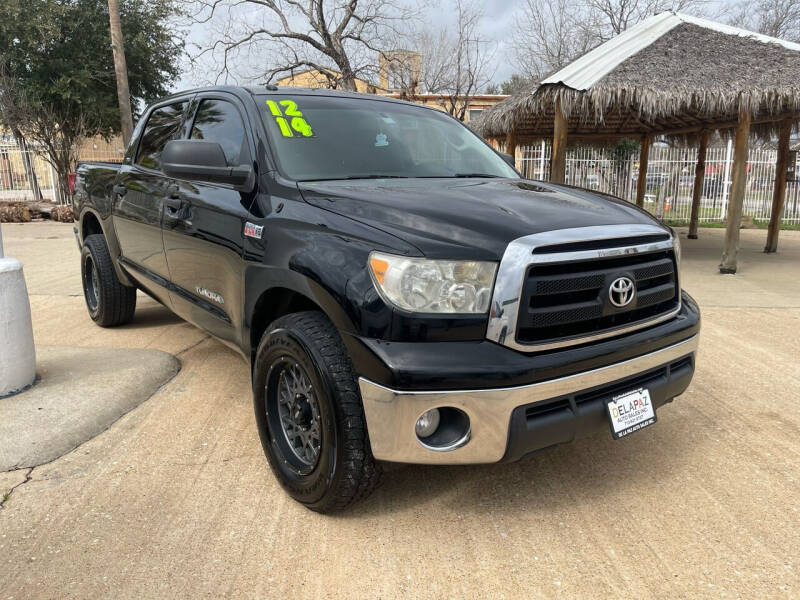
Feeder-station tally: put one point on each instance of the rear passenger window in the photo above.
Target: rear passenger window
(163, 125)
(219, 121)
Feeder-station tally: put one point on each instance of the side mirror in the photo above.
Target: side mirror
(198, 160)
(508, 158)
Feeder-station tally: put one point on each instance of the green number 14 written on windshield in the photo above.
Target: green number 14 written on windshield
(290, 120)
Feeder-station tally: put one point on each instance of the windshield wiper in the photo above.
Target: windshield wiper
(475, 175)
(376, 177)
(358, 177)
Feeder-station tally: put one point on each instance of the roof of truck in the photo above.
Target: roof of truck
(298, 91)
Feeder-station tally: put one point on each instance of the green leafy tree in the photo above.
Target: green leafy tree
(57, 82)
(517, 83)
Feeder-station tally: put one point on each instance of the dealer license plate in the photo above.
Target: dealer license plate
(630, 412)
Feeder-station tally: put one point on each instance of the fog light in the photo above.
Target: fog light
(428, 423)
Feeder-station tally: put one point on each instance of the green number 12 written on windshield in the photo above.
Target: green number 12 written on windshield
(290, 120)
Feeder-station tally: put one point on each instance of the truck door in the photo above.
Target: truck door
(139, 196)
(203, 229)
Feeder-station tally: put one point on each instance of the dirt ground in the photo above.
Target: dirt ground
(176, 500)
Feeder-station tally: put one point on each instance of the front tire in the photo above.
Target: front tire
(108, 301)
(309, 414)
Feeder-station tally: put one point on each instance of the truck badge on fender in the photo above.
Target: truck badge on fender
(210, 295)
(252, 230)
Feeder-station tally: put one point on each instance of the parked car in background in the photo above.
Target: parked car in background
(656, 176)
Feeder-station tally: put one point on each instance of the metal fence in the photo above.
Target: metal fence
(16, 167)
(27, 176)
(670, 179)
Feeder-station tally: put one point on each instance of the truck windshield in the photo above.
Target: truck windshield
(325, 137)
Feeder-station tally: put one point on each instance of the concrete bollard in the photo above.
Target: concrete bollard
(17, 352)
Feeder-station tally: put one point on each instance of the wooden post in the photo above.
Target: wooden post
(641, 181)
(511, 144)
(779, 194)
(738, 183)
(558, 155)
(699, 179)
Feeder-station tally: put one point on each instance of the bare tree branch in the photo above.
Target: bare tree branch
(777, 18)
(340, 38)
(549, 34)
(452, 62)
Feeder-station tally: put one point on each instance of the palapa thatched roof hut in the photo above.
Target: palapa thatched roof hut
(671, 74)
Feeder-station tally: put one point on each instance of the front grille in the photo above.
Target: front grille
(570, 299)
(648, 379)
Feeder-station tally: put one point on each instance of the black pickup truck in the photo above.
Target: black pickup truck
(400, 292)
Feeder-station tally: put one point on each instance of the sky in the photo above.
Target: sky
(496, 27)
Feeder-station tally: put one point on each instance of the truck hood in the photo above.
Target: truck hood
(468, 218)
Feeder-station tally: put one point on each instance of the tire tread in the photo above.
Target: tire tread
(361, 472)
(117, 301)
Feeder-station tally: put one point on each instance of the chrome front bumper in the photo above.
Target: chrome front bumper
(391, 414)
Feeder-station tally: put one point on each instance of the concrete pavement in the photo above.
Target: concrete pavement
(79, 393)
(175, 499)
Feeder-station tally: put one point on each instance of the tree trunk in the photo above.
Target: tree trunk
(347, 77)
(63, 189)
(27, 163)
(349, 83)
(121, 70)
(6, 172)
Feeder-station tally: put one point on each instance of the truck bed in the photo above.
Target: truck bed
(97, 178)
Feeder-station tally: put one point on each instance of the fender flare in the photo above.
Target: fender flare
(262, 280)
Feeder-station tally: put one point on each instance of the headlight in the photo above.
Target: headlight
(433, 286)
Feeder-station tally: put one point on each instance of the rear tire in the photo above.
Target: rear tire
(108, 301)
(309, 414)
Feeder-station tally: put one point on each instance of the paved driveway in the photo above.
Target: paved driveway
(175, 499)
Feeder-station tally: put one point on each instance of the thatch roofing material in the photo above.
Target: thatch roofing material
(584, 72)
(671, 73)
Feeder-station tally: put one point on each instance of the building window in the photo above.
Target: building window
(474, 113)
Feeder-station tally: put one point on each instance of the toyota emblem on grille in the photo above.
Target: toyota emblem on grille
(621, 291)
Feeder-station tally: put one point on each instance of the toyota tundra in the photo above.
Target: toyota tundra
(400, 292)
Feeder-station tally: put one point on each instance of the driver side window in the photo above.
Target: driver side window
(163, 125)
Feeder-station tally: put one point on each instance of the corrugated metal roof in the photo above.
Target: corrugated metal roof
(593, 66)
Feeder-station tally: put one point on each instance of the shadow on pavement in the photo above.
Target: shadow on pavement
(152, 315)
(592, 468)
